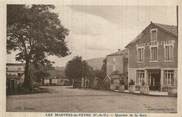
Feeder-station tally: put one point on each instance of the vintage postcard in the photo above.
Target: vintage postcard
(91, 58)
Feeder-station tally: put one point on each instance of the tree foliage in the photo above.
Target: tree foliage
(99, 74)
(102, 73)
(78, 68)
(87, 70)
(35, 32)
(73, 68)
(39, 71)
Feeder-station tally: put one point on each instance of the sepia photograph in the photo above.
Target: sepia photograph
(92, 58)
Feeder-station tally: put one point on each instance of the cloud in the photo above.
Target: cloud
(89, 32)
(97, 48)
(83, 23)
(96, 31)
(92, 35)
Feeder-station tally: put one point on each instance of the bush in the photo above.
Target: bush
(131, 82)
(122, 82)
(35, 85)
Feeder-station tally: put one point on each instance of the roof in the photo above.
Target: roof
(168, 28)
(119, 52)
(15, 64)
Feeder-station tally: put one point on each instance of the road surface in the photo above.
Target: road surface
(67, 99)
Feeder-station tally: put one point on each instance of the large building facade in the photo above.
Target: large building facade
(153, 57)
(117, 68)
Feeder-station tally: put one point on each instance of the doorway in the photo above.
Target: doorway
(154, 80)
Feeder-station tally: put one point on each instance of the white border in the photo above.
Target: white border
(81, 2)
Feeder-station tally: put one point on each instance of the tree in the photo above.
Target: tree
(76, 69)
(101, 74)
(73, 69)
(35, 32)
(104, 68)
(87, 71)
(39, 71)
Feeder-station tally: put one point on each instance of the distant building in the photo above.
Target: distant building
(15, 75)
(55, 82)
(153, 57)
(117, 68)
(55, 78)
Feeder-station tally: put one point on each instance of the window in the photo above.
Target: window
(140, 54)
(140, 77)
(19, 69)
(153, 53)
(114, 59)
(153, 33)
(168, 52)
(114, 68)
(169, 77)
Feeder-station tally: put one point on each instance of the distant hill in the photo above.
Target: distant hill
(61, 69)
(95, 63)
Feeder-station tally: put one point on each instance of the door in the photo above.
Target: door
(12, 84)
(154, 80)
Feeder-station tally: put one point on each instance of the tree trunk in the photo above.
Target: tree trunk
(27, 81)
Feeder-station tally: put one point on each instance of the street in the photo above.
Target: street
(67, 99)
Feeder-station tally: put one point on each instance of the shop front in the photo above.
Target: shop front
(156, 79)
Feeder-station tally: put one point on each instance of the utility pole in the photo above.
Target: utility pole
(177, 17)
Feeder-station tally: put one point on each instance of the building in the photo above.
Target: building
(117, 68)
(55, 77)
(153, 57)
(55, 82)
(15, 75)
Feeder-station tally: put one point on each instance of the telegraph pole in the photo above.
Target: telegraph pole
(177, 17)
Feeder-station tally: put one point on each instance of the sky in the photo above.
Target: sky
(96, 31)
